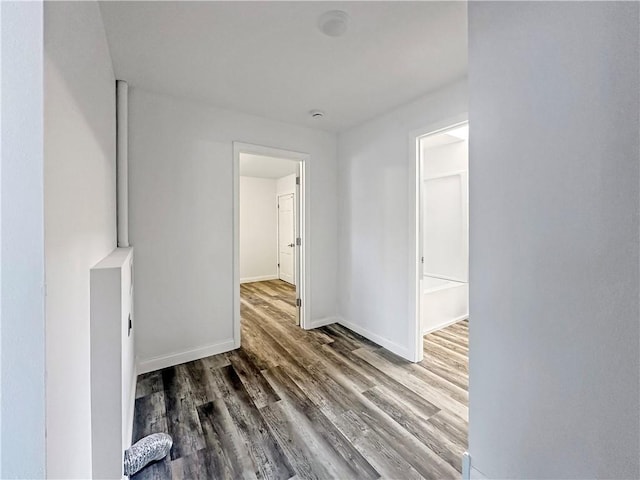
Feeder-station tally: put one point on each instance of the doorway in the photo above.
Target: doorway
(270, 230)
(441, 299)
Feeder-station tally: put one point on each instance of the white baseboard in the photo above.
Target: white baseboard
(262, 278)
(466, 466)
(321, 322)
(445, 324)
(164, 361)
(389, 345)
(469, 472)
(476, 474)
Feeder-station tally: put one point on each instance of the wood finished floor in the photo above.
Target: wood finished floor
(300, 404)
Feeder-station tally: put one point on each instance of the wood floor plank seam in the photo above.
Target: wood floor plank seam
(319, 404)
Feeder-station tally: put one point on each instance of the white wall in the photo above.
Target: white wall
(180, 186)
(286, 185)
(22, 386)
(447, 158)
(80, 217)
(258, 229)
(375, 228)
(554, 183)
(445, 211)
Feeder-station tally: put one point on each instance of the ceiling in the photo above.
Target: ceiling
(266, 167)
(270, 59)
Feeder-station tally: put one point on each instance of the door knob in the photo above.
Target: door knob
(291, 245)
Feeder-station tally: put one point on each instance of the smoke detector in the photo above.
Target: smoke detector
(333, 23)
(316, 114)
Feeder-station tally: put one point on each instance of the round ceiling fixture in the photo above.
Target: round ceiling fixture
(334, 23)
(316, 114)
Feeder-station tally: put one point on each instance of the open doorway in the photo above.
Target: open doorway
(442, 244)
(270, 232)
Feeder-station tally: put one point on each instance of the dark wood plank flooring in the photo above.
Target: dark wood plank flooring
(318, 404)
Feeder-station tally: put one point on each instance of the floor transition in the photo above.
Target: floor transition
(300, 404)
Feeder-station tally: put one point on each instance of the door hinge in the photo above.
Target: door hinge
(297, 180)
(421, 259)
(298, 302)
(298, 241)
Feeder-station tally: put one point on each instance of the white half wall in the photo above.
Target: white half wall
(554, 184)
(113, 376)
(375, 226)
(181, 214)
(22, 386)
(258, 229)
(80, 217)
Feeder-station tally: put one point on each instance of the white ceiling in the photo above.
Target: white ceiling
(269, 59)
(266, 167)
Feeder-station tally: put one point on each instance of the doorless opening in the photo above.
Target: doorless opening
(272, 232)
(440, 297)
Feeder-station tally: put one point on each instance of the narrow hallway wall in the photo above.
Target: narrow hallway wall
(554, 184)
(22, 293)
(80, 216)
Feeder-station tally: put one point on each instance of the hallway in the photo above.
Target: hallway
(325, 403)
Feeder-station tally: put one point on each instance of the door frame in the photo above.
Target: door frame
(415, 227)
(278, 197)
(302, 270)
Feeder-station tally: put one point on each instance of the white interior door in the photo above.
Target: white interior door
(286, 238)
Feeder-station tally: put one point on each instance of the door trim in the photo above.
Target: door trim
(302, 270)
(415, 227)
